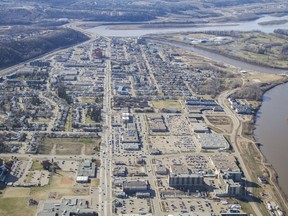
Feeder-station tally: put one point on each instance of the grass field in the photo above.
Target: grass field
(36, 166)
(88, 100)
(69, 121)
(68, 148)
(16, 192)
(166, 104)
(16, 207)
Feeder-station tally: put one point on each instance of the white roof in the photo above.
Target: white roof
(82, 178)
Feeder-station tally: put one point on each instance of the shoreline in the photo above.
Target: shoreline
(278, 192)
(232, 57)
(238, 58)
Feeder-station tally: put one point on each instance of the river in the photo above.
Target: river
(272, 130)
(272, 118)
(107, 30)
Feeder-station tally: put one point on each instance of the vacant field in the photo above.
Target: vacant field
(14, 201)
(70, 146)
(61, 182)
(45, 147)
(69, 121)
(95, 182)
(16, 207)
(36, 166)
(166, 104)
(88, 100)
(265, 77)
(222, 122)
(15, 192)
(247, 130)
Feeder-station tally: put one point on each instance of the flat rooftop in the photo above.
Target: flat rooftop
(224, 162)
(213, 141)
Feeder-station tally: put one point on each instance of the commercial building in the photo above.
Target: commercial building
(232, 188)
(86, 170)
(229, 189)
(161, 170)
(82, 179)
(131, 134)
(131, 146)
(225, 167)
(79, 207)
(133, 187)
(200, 128)
(200, 102)
(186, 180)
(213, 141)
(157, 124)
(120, 171)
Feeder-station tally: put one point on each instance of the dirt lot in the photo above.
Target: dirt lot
(69, 146)
(222, 122)
(68, 149)
(61, 182)
(247, 130)
(264, 77)
(167, 104)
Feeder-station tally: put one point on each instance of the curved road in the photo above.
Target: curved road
(235, 133)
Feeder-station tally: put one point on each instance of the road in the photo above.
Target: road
(234, 135)
(105, 194)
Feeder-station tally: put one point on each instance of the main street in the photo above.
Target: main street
(105, 192)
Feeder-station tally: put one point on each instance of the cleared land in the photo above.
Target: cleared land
(61, 183)
(167, 104)
(36, 166)
(16, 192)
(70, 146)
(222, 122)
(16, 207)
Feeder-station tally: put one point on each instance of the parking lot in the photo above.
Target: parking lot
(193, 205)
(133, 205)
(173, 144)
(67, 165)
(39, 177)
(178, 125)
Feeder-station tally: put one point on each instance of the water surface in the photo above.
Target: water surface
(272, 131)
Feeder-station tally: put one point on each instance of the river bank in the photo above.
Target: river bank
(225, 54)
(258, 157)
(221, 58)
(238, 58)
(271, 132)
